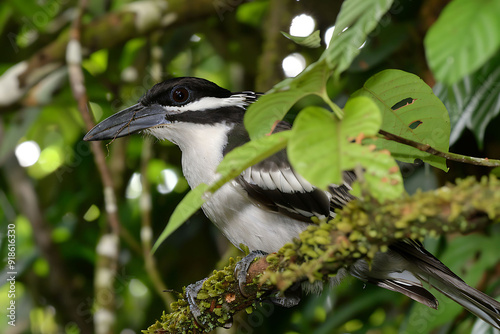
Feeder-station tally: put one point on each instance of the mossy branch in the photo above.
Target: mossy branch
(361, 229)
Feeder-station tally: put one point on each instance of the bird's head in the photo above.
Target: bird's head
(173, 105)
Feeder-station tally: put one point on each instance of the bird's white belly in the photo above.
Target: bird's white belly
(242, 222)
(230, 209)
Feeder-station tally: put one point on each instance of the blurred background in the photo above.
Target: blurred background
(83, 267)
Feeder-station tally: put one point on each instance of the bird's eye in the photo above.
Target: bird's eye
(180, 94)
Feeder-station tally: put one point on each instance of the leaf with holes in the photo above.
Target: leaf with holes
(466, 34)
(311, 41)
(320, 149)
(357, 18)
(230, 167)
(410, 110)
(262, 115)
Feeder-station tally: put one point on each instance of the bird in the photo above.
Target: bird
(269, 204)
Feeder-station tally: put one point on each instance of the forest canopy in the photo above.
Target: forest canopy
(412, 87)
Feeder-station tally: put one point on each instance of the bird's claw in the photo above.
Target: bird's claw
(241, 269)
(191, 295)
(287, 299)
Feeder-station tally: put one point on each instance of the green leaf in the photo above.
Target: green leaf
(251, 153)
(472, 102)
(311, 41)
(362, 116)
(316, 147)
(230, 167)
(410, 110)
(382, 176)
(357, 18)
(320, 148)
(465, 36)
(271, 108)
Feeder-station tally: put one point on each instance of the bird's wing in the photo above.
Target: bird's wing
(276, 186)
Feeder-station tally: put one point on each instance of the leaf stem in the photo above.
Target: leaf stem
(447, 155)
(335, 108)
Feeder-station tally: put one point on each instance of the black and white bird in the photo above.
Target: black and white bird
(269, 204)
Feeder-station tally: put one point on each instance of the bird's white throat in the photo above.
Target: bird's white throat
(200, 145)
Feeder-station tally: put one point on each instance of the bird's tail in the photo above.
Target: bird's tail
(408, 264)
(482, 305)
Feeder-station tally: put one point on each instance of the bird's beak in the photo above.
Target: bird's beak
(128, 121)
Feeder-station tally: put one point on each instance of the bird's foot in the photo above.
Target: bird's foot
(191, 295)
(241, 269)
(289, 298)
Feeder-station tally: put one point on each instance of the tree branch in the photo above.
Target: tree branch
(447, 155)
(108, 246)
(274, 47)
(325, 248)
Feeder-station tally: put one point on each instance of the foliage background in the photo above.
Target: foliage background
(57, 204)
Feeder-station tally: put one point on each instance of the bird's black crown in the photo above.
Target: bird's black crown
(183, 90)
